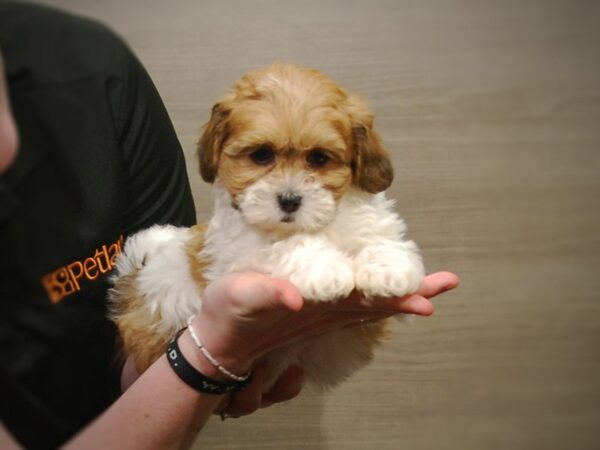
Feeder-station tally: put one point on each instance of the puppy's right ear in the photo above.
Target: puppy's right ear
(211, 142)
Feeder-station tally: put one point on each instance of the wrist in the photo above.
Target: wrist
(195, 379)
(215, 353)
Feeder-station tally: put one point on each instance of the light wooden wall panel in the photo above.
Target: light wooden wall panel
(492, 112)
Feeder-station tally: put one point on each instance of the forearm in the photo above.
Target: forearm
(158, 411)
(7, 442)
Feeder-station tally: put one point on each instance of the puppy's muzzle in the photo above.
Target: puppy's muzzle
(289, 202)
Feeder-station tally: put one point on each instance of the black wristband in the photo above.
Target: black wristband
(196, 380)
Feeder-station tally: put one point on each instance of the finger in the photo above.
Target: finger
(409, 304)
(357, 320)
(438, 283)
(419, 303)
(368, 321)
(330, 322)
(287, 294)
(415, 304)
(248, 400)
(254, 293)
(223, 404)
(287, 387)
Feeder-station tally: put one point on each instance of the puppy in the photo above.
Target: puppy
(299, 176)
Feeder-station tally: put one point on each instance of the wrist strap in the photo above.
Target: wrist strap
(196, 380)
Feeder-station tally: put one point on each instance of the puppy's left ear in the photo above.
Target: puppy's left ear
(212, 140)
(372, 166)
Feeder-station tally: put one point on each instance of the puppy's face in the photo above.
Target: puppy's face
(287, 143)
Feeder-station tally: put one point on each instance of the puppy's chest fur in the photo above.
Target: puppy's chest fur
(163, 271)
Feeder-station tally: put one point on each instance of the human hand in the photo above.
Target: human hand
(264, 314)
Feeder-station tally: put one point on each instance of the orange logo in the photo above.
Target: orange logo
(66, 280)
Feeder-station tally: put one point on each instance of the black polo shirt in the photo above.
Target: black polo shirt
(98, 160)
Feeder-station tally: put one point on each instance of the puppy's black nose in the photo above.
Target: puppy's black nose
(289, 202)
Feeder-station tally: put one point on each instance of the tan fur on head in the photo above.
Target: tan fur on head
(293, 111)
(373, 170)
(211, 142)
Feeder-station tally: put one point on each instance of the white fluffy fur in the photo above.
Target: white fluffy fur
(326, 252)
(258, 203)
(164, 278)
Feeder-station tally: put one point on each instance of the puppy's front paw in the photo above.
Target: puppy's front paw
(388, 270)
(326, 277)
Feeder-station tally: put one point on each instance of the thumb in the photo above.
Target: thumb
(287, 294)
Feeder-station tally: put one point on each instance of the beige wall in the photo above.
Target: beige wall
(492, 112)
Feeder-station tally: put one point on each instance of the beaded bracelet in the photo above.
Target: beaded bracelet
(196, 380)
(211, 358)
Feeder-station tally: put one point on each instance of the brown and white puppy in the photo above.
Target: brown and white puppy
(299, 174)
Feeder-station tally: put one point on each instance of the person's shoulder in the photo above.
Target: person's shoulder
(54, 46)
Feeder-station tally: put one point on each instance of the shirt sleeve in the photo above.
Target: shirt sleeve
(157, 189)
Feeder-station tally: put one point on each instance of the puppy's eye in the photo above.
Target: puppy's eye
(263, 155)
(317, 158)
